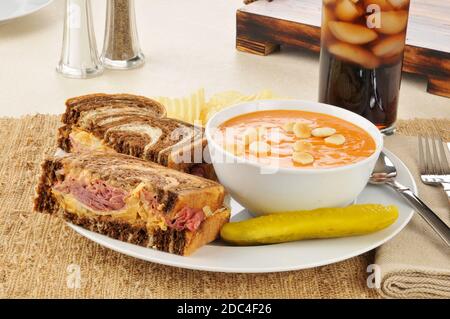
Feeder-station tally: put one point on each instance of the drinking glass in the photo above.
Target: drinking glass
(362, 47)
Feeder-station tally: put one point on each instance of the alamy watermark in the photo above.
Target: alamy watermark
(73, 278)
(231, 148)
(374, 278)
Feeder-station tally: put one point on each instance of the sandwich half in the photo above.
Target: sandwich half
(133, 200)
(135, 126)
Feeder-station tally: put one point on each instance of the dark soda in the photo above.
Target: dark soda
(362, 55)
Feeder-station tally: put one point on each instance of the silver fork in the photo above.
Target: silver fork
(433, 163)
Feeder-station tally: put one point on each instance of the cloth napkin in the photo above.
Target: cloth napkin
(416, 263)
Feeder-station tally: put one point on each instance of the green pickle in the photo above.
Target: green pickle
(320, 223)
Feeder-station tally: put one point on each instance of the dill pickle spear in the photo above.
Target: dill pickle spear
(319, 223)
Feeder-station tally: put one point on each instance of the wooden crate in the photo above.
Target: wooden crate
(263, 26)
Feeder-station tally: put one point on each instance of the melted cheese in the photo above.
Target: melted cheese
(87, 141)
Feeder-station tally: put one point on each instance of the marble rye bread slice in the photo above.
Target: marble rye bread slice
(78, 105)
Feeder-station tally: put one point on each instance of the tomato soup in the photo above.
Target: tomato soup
(292, 138)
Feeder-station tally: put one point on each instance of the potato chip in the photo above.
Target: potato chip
(196, 109)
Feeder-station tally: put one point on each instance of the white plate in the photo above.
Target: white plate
(12, 9)
(280, 257)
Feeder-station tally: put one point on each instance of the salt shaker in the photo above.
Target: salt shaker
(79, 56)
(121, 49)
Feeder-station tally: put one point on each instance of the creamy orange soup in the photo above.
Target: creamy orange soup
(291, 138)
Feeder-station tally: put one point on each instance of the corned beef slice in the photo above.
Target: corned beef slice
(96, 194)
(189, 218)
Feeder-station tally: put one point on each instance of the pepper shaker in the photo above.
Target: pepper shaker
(79, 56)
(121, 49)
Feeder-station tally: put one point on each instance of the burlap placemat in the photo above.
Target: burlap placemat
(39, 255)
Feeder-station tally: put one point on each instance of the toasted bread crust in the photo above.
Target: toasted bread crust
(63, 140)
(114, 228)
(76, 105)
(182, 243)
(209, 230)
(44, 201)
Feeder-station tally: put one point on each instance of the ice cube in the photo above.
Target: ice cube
(329, 2)
(351, 33)
(398, 4)
(392, 22)
(327, 15)
(389, 46)
(347, 10)
(382, 4)
(355, 54)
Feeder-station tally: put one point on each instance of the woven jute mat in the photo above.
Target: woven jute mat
(40, 255)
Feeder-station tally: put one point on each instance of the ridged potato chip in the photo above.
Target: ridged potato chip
(196, 109)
